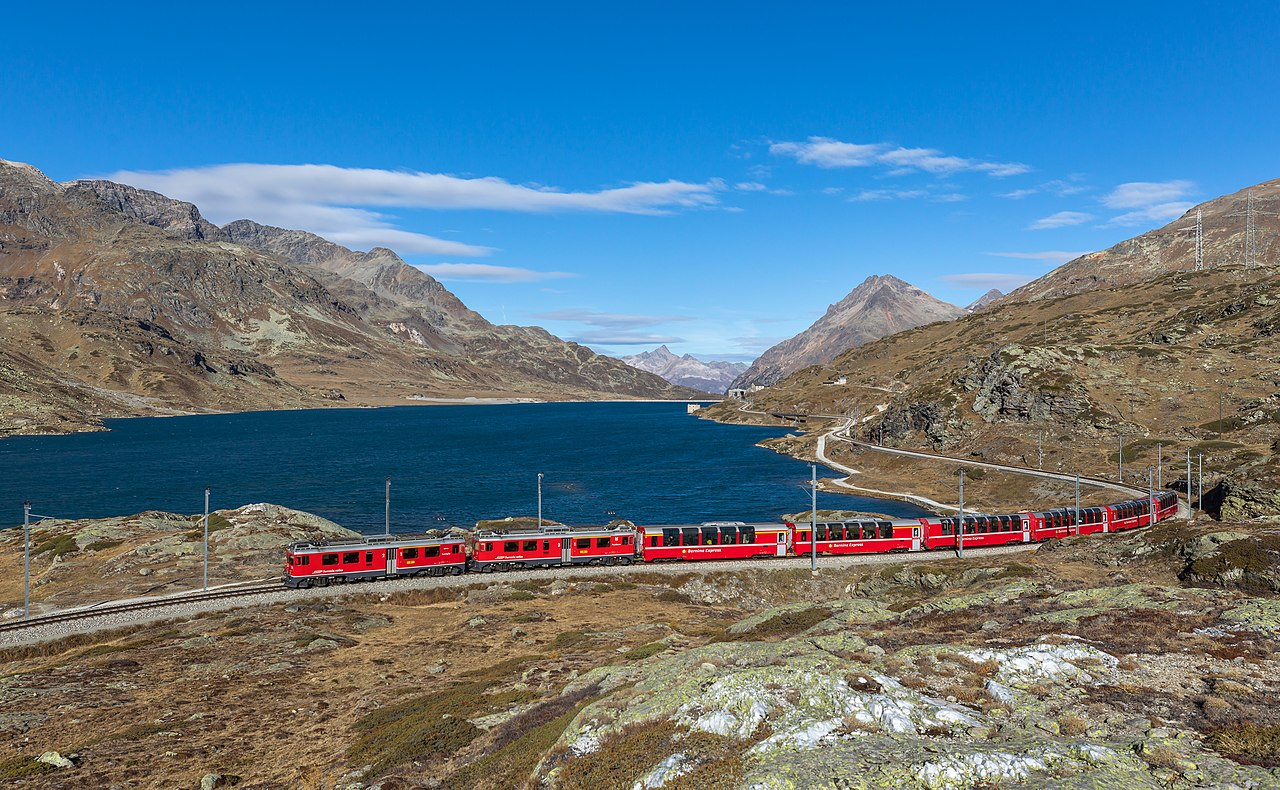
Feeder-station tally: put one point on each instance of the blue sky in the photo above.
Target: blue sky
(711, 176)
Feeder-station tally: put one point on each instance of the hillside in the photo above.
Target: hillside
(1187, 361)
(1140, 660)
(880, 306)
(688, 370)
(116, 301)
(1172, 247)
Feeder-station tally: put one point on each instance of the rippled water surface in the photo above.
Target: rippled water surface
(648, 462)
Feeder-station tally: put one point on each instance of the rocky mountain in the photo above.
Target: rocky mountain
(987, 298)
(688, 370)
(1172, 247)
(880, 306)
(116, 301)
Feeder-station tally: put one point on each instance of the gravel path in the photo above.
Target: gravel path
(181, 611)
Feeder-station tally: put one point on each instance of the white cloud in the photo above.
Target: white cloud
(609, 320)
(751, 186)
(826, 152)
(488, 273)
(624, 339)
(1142, 194)
(1062, 219)
(988, 280)
(340, 203)
(1054, 257)
(1149, 201)
(1019, 194)
(867, 195)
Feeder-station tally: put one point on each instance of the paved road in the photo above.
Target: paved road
(841, 433)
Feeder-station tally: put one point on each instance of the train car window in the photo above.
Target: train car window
(653, 540)
(710, 536)
(510, 545)
(946, 526)
(546, 545)
(431, 551)
(728, 535)
(530, 545)
(486, 547)
(329, 559)
(626, 540)
(350, 557)
(886, 529)
(1016, 522)
(747, 535)
(305, 559)
(368, 557)
(671, 537)
(689, 536)
(602, 543)
(291, 560)
(409, 554)
(583, 543)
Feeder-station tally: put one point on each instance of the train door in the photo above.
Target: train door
(391, 561)
(915, 538)
(782, 544)
(1026, 529)
(564, 550)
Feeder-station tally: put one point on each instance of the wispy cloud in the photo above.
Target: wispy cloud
(826, 152)
(624, 339)
(751, 186)
(346, 204)
(756, 343)
(1054, 257)
(1062, 219)
(873, 195)
(609, 320)
(488, 273)
(1019, 194)
(988, 280)
(1148, 201)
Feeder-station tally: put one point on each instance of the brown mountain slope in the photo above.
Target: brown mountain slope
(1172, 247)
(880, 306)
(531, 352)
(118, 301)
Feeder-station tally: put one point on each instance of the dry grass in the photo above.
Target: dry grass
(1072, 725)
(1248, 743)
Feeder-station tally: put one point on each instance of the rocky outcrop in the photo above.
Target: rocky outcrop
(1234, 500)
(880, 306)
(177, 217)
(1234, 559)
(1027, 385)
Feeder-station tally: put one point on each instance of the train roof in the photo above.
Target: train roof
(553, 532)
(375, 541)
(709, 524)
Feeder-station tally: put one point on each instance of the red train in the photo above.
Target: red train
(382, 557)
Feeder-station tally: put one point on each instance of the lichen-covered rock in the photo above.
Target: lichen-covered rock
(1024, 665)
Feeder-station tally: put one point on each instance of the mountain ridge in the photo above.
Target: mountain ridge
(688, 371)
(881, 305)
(136, 298)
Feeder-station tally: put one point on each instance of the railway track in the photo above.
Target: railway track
(138, 606)
(14, 629)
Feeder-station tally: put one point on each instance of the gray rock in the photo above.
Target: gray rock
(144, 571)
(476, 622)
(56, 760)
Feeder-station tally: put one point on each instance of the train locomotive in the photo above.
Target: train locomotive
(397, 556)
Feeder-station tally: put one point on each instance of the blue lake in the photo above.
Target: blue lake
(449, 465)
